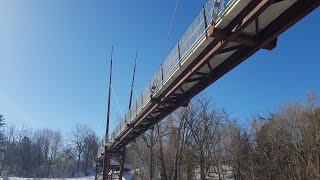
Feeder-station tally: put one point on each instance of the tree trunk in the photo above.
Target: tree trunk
(183, 142)
(163, 173)
(319, 161)
(151, 154)
(219, 172)
(78, 166)
(189, 172)
(202, 168)
(252, 166)
(175, 176)
(177, 158)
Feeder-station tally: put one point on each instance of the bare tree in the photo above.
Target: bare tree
(204, 125)
(90, 151)
(142, 156)
(55, 146)
(78, 136)
(160, 134)
(2, 143)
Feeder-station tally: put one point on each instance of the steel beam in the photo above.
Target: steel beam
(228, 49)
(242, 39)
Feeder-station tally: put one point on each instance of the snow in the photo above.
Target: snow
(19, 178)
(126, 176)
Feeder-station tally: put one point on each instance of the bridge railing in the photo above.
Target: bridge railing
(211, 12)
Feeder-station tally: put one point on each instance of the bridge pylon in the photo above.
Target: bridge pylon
(110, 163)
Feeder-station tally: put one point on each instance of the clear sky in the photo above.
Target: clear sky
(54, 60)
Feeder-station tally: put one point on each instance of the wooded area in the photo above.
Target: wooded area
(202, 142)
(47, 153)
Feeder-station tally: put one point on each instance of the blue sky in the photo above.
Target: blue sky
(54, 60)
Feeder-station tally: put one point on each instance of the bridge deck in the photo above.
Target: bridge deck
(204, 54)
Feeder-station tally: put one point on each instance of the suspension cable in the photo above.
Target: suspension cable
(168, 35)
(114, 94)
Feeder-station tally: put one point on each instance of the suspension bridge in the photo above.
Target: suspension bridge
(223, 35)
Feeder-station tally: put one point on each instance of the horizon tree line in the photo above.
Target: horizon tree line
(27, 152)
(200, 141)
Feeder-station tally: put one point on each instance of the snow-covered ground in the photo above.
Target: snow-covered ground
(19, 178)
(125, 177)
(213, 175)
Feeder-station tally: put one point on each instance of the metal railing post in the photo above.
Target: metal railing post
(205, 18)
(162, 74)
(205, 22)
(179, 55)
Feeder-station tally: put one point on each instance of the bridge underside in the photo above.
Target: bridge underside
(229, 42)
(229, 47)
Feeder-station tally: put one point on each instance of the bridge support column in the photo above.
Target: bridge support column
(99, 169)
(112, 165)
